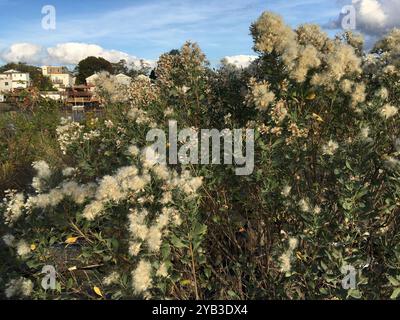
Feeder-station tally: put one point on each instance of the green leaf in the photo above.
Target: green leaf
(233, 294)
(395, 293)
(354, 293)
(393, 281)
(177, 243)
(200, 229)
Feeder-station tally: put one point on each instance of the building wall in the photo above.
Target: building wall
(15, 80)
(123, 79)
(92, 79)
(64, 79)
(5, 85)
(59, 76)
(49, 70)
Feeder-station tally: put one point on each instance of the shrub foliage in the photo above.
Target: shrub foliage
(324, 193)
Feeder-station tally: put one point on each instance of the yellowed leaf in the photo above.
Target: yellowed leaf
(98, 291)
(317, 117)
(311, 96)
(33, 247)
(71, 240)
(299, 255)
(185, 282)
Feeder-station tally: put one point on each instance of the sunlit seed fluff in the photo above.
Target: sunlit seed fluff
(68, 172)
(358, 95)
(124, 175)
(262, 95)
(134, 248)
(163, 219)
(109, 190)
(26, 287)
(162, 270)
(141, 277)
(308, 59)
(166, 197)
(388, 111)
(271, 34)
(78, 193)
(383, 93)
(23, 248)
(37, 184)
(111, 279)
(93, 210)
(285, 262)
(342, 61)
(17, 287)
(317, 210)
(391, 162)
(42, 169)
(364, 133)
(133, 151)
(330, 148)
(8, 239)
(153, 238)
(55, 197)
(137, 226)
(279, 112)
(304, 205)
(151, 157)
(286, 191)
(312, 34)
(161, 172)
(346, 85)
(168, 112)
(14, 207)
(293, 242)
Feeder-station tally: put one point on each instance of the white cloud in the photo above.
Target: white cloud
(23, 52)
(65, 53)
(376, 17)
(73, 52)
(240, 61)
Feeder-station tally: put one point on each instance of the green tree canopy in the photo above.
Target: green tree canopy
(91, 65)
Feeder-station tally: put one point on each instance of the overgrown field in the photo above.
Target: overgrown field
(323, 198)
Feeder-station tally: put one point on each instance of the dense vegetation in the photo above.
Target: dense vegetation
(324, 193)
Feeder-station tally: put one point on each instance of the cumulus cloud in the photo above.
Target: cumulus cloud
(23, 52)
(240, 61)
(65, 53)
(73, 52)
(375, 17)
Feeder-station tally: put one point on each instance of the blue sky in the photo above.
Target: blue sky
(148, 28)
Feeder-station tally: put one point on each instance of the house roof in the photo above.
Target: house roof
(121, 75)
(13, 71)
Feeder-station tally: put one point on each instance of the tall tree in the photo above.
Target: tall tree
(91, 65)
(120, 67)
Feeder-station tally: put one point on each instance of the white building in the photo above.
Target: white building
(92, 79)
(119, 78)
(52, 95)
(12, 79)
(60, 77)
(123, 79)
